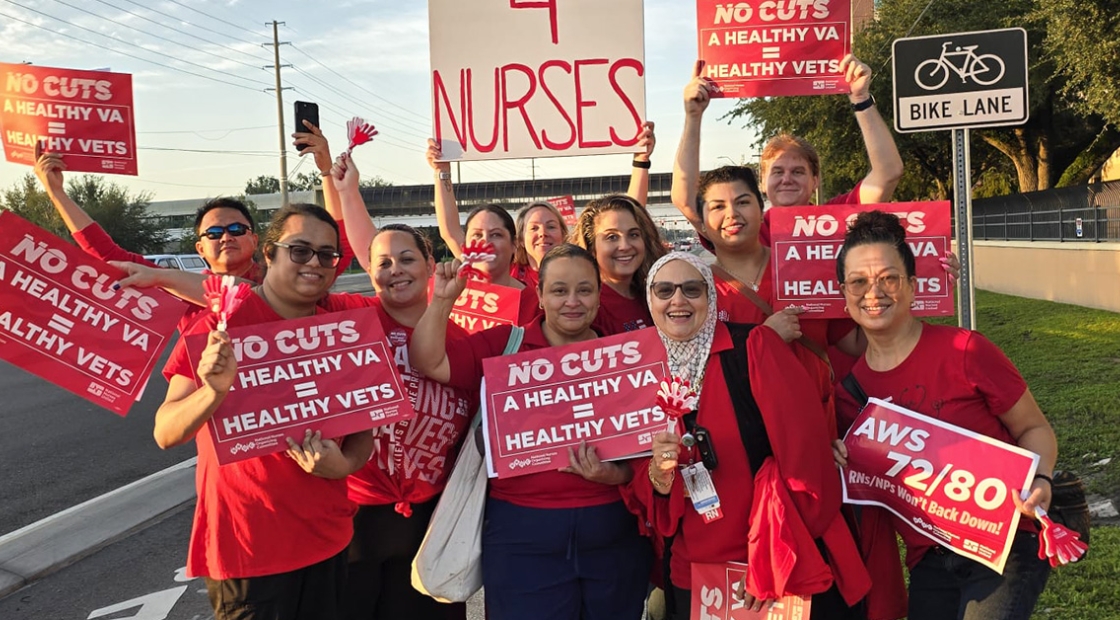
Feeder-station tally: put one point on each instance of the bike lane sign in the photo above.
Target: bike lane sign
(961, 80)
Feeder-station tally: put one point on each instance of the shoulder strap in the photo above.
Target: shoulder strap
(752, 428)
(855, 389)
(767, 310)
(741, 288)
(516, 335)
(514, 342)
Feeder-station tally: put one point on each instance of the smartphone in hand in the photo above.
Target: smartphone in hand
(306, 111)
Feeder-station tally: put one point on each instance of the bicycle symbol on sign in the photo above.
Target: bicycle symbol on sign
(984, 69)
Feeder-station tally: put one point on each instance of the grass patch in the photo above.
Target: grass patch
(1070, 357)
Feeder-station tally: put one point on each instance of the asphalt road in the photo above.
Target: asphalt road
(138, 577)
(58, 450)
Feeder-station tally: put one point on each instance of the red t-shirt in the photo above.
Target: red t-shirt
(551, 489)
(619, 314)
(736, 308)
(411, 459)
(953, 374)
(525, 275)
(264, 515)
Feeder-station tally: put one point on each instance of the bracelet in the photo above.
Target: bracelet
(657, 484)
(863, 105)
(641, 164)
(1048, 479)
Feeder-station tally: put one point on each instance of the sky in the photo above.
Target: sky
(201, 137)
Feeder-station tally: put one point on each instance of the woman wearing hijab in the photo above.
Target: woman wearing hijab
(778, 492)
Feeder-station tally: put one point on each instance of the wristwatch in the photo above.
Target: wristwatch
(863, 105)
(444, 176)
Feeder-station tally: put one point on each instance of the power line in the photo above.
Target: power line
(359, 86)
(193, 36)
(209, 151)
(205, 14)
(12, 2)
(199, 132)
(109, 49)
(151, 34)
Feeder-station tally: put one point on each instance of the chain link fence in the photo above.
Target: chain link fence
(1082, 213)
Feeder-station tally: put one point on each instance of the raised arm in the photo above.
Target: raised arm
(447, 212)
(427, 351)
(49, 167)
(316, 145)
(187, 407)
(359, 227)
(886, 163)
(639, 172)
(686, 165)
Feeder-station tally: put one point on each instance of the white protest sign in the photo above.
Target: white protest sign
(536, 78)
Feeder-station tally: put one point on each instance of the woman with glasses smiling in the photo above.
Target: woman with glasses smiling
(957, 376)
(755, 431)
(270, 533)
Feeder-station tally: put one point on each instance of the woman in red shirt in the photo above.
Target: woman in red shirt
(554, 544)
(397, 489)
(958, 376)
(270, 533)
(619, 233)
(771, 458)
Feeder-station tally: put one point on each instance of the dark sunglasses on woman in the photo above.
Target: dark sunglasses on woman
(692, 289)
(235, 229)
(301, 254)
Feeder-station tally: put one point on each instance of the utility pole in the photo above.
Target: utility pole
(533, 163)
(280, 110)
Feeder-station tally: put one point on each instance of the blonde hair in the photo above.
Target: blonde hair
(785, 142)
(520, 254)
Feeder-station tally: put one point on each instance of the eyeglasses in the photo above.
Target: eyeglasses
(301, 254)
(692, 289)
(888, 283)
(214, 233)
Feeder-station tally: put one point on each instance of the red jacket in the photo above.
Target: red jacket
(801, 489)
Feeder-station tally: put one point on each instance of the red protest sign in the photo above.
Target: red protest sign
(537, 404)
(765, 49)
(332, 373)
(84, 115)
(483, 305)
(805, 242)
(950, 484)
(536, 78)
(566, 205)
(61, 320)
(712, 588)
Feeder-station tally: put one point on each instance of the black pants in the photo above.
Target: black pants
(827, 605)
(379, 582)
(310, 593)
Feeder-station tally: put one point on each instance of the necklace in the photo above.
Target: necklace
(753, 284)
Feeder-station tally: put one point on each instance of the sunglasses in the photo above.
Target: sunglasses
(858, 287)
(301, 254)
(214, 233)
(692, 289)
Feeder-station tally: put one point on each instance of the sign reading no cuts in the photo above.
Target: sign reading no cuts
(961, 80)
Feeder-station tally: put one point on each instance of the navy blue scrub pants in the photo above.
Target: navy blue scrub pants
(563, 563)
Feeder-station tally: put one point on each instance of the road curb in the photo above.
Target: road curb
(61, 539)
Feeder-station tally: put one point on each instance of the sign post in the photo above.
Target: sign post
(958, 81)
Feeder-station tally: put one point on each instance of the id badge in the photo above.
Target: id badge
(702, 492)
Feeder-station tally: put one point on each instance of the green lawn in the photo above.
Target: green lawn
(1070, 357)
